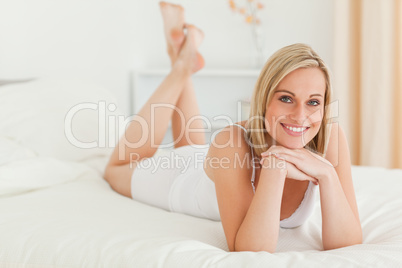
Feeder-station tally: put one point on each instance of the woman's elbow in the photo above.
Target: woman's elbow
(252, 248)
(330, 246)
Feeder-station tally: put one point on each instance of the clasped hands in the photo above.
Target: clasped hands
(301, 164)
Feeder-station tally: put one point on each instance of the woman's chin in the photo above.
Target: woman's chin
(291, 145)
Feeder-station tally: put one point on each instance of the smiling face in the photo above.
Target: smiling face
(295, 112)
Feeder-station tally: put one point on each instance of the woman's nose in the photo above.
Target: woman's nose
(298, 114)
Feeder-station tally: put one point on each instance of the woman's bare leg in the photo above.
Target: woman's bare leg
(187, 128)
(184, 118)
(136, 142)
(144, 135)
(147, 129)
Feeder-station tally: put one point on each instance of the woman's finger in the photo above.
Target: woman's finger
(322, 159)
(281, 150)
(293, 164)
(305, 177)
(297, 174)
(289, 158)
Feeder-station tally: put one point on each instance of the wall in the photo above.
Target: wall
(104, 40)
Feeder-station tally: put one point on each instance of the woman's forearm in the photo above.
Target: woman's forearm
(340, 226)
(260, 228)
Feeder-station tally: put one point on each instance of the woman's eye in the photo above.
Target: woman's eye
(285, 99)
(314, 102)
(289, 100)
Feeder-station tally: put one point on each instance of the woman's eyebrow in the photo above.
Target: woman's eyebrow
(291, 93)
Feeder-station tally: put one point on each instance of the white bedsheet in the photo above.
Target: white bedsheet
(83, 223)
(57, 211)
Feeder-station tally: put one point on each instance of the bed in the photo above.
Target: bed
(57, 211)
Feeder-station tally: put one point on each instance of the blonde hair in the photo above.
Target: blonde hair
(280, 64)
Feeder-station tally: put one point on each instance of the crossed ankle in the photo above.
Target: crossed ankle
(180, 68)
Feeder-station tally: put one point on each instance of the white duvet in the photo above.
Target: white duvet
(22, 171)
(57, 211)
(81, 222)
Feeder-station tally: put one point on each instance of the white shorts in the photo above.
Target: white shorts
(175, 180)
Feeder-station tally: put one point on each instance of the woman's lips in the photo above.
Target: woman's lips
(294, 131)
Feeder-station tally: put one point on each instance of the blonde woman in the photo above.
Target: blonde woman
(257, 175)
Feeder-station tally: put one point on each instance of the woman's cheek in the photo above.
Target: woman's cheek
(272, 124)
(316, 117)
(317, 121)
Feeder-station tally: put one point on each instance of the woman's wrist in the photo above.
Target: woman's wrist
(274, 165)
(273, 173)
(329, 175)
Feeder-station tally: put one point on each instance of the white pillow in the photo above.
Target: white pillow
(34, 114)
(26, 175)
(11, 151)
(12, 81)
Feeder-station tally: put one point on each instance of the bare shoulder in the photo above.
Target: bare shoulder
(228, 147)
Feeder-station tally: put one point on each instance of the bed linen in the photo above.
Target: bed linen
(83, 223)
(57, 211)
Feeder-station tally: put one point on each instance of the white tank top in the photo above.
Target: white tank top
(306, 207)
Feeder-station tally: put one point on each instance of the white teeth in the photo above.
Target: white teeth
(296, 129)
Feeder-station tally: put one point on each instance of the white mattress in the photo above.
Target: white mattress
(83, 223)
(57, 211)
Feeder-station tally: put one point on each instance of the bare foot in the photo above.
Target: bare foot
(173, 22)
(189, 58)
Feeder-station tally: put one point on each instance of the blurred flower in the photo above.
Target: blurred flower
(253, 6)
(232, 5)
(249, 9)
(249, 19)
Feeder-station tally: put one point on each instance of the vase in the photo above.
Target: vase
(257, 54)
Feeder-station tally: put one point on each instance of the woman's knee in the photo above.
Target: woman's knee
(119, 178)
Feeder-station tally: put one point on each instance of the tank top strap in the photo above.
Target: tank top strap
(252, 159)
(234, 124)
